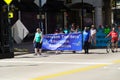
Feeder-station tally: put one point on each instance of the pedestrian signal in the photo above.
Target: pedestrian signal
(10, 15)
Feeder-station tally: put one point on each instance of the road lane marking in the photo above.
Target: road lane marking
(119, 68)
(43, 62)
(94, 65)
(69, 72)
(116, 61)
(75, 71)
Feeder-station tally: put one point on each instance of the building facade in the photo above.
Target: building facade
(81, 12)
(61, 13)
(88, 12)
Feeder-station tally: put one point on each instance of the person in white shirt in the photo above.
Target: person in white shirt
(93, 35)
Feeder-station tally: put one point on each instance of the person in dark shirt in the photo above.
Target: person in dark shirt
(86, 39)
(72, 28)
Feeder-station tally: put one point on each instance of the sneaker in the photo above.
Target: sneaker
(113, 51)
(39, 54)
(35, 54)
(56, 52)
(86, 52)
(74, 51)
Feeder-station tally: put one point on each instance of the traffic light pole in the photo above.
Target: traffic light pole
(10, 34)
(19, 12)
(6, 42)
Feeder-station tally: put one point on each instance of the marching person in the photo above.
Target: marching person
(66, 30)
(93, 35)
(38, 42)
(86, 39)
(73, 30)
(114, 39)
(78, 29)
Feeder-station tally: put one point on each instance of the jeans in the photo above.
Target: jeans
(86, 46)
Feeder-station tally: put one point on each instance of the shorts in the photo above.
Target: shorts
(37, 45)
(93, 38)
(115, 42)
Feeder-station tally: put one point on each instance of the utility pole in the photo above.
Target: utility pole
(6, 45)
(9, 29)
(82, 15)
(19, 12)
(40, 15)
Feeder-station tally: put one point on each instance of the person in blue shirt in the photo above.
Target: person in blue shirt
(86, 39)
(38, 41)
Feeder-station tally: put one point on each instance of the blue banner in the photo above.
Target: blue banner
(71, 41)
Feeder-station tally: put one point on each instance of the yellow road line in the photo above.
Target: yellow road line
(69, 72)
(116, 61)
(74, 71)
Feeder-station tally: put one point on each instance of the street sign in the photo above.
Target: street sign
(19, 31)
(37, 2)
(7, 1)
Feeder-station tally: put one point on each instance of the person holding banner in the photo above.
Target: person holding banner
(37, 41)
(66, 30)
(58, 31)
(86, 39)
(93, 35)
(73, 30)
(78, 29)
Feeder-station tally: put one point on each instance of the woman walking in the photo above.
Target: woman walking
(38, 41)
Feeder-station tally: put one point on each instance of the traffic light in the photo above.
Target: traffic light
(10, 14)
(6, 45)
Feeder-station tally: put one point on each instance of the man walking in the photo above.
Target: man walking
(86, 39)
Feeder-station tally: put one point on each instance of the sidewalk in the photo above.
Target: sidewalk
(27, 48)
(23, 48)
(91, 51)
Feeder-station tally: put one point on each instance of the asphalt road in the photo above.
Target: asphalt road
(66, 66)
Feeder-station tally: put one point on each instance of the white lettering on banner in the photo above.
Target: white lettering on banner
(62, 42)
